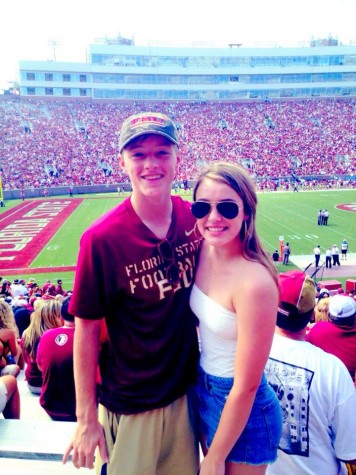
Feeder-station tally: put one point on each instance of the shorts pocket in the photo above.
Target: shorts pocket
(273, 419)
(219, 392)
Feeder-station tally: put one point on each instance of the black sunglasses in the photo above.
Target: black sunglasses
(227, 209)
(167, 253)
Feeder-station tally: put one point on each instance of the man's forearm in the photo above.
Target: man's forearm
(86, 353)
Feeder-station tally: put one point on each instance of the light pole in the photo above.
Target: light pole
(53, 43)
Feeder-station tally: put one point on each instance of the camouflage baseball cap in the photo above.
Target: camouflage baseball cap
(147, 123)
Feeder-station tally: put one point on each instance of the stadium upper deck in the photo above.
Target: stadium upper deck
(133, 73)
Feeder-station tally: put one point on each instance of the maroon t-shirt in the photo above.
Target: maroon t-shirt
(55, 357)
(32, 374)
(336, 340)
(151, 356)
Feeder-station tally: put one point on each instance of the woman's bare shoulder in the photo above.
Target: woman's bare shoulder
(7, 334)
(253, 277)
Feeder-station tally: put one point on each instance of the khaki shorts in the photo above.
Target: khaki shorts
(157, 442)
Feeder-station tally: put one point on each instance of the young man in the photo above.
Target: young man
(344, 249)
(316, 393)
(135, 269)
(317, 253)
(286, 254)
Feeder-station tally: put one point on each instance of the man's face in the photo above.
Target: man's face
(150, 162)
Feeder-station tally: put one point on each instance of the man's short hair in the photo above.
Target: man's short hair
(64, 310)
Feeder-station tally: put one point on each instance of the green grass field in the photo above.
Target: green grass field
(287, 214)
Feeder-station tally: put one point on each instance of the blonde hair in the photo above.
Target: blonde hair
(47, 315)
(237, 178)
(321, 310)
(7, 318)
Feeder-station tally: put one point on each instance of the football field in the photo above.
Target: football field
(280, 215)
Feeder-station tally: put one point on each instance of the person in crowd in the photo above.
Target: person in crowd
(36, 291)
(11, 361)
(240, 418)
(10, 403)
(321, 312)
(323, 293)
(338, 334)
(328, 257)
(351, 293)
(317, 252)
(135, 268)
(47, 315)
(335, 254)
(22, 314)
(316, 394)
(286, 253)
(275, 256)
(344, 249)
(326, 217)
(6, 290)
(46, 285)
(15, 288)
(30, 284)
(59, 289)
(19, 288)
(55, 361)
(50, 292)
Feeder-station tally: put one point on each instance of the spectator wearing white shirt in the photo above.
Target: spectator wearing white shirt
(316, 393)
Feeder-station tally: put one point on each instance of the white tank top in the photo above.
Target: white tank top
(218, 334)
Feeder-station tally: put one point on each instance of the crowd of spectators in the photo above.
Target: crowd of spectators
(25, 316)
(61, 143)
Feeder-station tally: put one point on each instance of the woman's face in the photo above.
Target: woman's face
(216, 229)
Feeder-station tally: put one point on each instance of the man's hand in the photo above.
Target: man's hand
(85, 440)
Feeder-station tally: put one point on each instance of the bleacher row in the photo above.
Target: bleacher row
(273, 139)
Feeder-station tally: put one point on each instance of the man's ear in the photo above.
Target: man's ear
(121, 161)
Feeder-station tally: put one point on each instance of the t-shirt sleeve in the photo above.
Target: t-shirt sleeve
(88, 296)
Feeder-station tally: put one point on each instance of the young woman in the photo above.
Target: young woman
(6, 290)
(47, 314)
(11, 360)
(235, 298)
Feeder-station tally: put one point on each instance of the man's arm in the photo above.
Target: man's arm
(89, 432)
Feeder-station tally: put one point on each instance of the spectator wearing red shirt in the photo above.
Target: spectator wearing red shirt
(55, 360)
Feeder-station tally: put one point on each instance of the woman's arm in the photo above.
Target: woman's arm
(255, 302)
(10, 339)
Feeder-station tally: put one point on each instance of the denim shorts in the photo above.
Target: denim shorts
(258, 443)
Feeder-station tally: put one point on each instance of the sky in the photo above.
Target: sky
(62, 30)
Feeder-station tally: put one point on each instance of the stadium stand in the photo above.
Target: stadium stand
(67, 143)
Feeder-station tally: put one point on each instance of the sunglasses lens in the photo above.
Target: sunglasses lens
(228, 209)
(166, 250)
(173, 274)
(200, 209)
